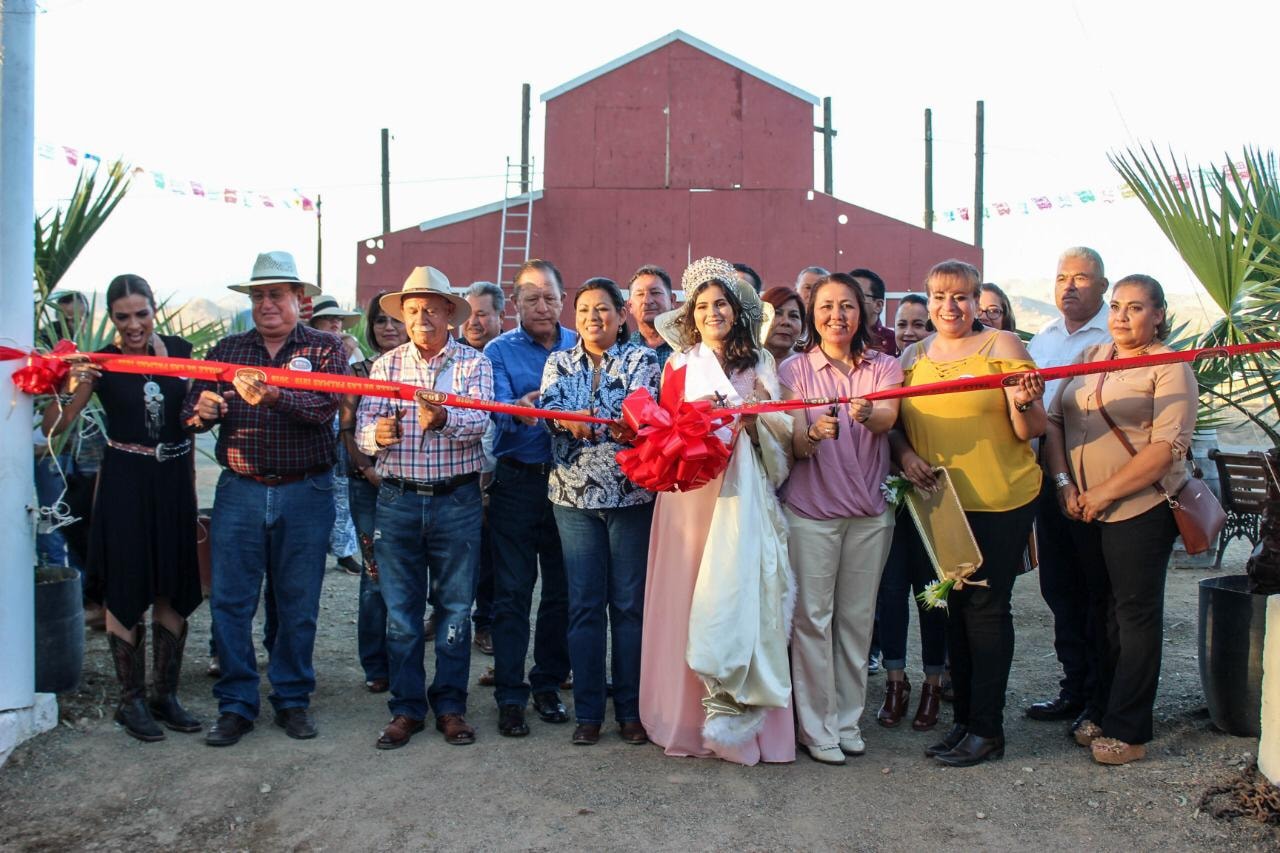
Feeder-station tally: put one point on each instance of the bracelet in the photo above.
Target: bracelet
(1024, 407)
(1062, 480)
(65, 399)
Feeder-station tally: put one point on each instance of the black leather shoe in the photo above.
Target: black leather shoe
(550, 708)
(297, 723)
(229, 728)
(973, 750)
(1080, 720)
(949, 740)
(511, 721)
(1061, 708)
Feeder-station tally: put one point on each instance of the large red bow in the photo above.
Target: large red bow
(43, 373)
(675, 448)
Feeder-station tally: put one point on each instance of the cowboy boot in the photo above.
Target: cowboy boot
(130, 660)
(164, 681)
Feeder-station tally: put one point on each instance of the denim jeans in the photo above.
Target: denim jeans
(526, 541)
(482, 617)
(342, 538)
(51, 548)
(280, 533)
(428, 544)
(906, 572)
(606, 553)
(371, 619)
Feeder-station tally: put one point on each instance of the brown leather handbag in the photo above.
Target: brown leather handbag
(1199, 516)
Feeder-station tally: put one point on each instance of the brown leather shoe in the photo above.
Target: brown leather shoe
(927, 710)
(398, 732)
(455, 729)
(586, 734)
(896, 694)
(484, 641)
(377, 685)
(633, 732)
(487, 678)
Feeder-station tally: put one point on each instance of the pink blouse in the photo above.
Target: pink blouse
(842, 479)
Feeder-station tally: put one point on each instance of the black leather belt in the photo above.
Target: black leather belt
(541, 468)
(438, 488)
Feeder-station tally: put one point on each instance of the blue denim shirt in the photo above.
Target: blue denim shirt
(517, 369)
(587, 475)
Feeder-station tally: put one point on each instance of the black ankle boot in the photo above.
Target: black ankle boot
(164, 680)
(949, 740)
(974, 749)
(130, 661)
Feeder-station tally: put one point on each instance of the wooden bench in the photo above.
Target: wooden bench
(1243, 481)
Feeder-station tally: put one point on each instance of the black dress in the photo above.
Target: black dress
(142, 542)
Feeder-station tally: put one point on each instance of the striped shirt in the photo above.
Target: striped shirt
(295, 435)
(428, 456)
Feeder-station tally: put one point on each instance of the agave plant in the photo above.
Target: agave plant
(1225, 223)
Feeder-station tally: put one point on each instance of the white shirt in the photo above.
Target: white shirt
(1054, 346)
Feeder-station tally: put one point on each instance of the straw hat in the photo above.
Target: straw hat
(421, 282)
(275, 268)
(756, 314)
(327, 306)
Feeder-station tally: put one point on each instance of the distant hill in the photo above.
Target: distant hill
(1034, 306)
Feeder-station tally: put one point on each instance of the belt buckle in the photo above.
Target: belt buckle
(270, 479)
(167, 452)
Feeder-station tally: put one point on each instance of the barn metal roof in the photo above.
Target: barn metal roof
(680, 35)
(464, 215)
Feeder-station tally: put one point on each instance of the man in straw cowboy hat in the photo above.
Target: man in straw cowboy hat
(429, 504)
(274, 501)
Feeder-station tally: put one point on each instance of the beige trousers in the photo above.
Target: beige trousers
(837, 565)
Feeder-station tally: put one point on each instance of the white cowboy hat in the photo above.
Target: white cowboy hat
(275, 268)
(327, 306)
(423, 281)
(757, 314)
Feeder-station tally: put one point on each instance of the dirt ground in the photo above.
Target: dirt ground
(88, 786)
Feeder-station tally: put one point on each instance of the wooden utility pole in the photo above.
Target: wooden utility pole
(319, 244)
(828, 133)
(524, 139)
(928, 169)
(386, 181)
(977, 181)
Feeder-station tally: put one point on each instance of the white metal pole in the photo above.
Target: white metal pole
(17, 257)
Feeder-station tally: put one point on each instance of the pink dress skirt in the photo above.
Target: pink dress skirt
(670, 693)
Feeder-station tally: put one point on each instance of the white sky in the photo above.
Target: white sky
(277, 94)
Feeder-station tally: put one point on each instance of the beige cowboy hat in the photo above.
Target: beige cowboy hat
(421, 282)
(275, 268)
(757, 314)
(327, 306)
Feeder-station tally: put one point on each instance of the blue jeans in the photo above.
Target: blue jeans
(525, 540)
(371, 620)
(606, 552)
(482, 617)
(51, 548)
(342, 538)
(280, 533)
(908, 570)
(428, 544)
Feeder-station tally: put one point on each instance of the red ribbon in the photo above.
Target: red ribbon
(43, 373)
(675, 447)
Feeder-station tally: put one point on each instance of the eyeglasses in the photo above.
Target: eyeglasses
(385, 320)
(994, 311)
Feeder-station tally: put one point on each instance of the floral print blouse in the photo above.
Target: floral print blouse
(586, 473)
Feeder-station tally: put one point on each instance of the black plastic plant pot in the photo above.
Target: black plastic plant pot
(1232, 629)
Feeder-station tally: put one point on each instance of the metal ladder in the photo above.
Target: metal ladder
(517, 226)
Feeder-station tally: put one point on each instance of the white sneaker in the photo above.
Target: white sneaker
(853, 744)
(826, 754)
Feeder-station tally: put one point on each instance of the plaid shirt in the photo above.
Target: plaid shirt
(295, 435)
(428, 456)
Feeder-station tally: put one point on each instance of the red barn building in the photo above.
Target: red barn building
(672, 152)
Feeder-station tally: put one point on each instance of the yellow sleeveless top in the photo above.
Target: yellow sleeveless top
(970, 434)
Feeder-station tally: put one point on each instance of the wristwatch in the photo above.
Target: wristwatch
(1062, 480)
(1024, 407)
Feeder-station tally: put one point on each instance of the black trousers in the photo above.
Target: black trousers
(1126, 562)
(1064, 588)
(980, 621)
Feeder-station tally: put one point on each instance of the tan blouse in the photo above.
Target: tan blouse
(1148, 404)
